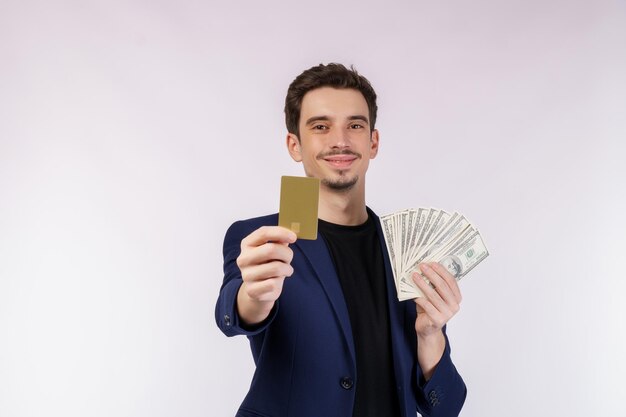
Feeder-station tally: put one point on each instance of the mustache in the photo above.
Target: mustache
(323, 155)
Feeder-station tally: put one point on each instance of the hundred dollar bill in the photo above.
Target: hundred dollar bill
(421, 235)
(465, 257)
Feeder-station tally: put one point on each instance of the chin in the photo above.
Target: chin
(341, 184)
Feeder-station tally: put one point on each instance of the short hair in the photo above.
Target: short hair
(330, 75)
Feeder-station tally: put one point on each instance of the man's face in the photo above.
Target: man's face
(335, 143)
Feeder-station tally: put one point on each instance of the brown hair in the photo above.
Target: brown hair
(331, 75)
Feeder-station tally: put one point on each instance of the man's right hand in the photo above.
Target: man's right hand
(265, 262)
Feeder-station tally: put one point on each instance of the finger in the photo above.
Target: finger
(440, 284)
(417, 306)
(429, 290)
(275, 269)
(449, 278)
(265, 253)
(442, 288)
(266, 290)
(432, 295)
(266, 234)
(437, 319)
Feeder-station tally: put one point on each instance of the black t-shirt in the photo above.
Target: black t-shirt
(358, 259)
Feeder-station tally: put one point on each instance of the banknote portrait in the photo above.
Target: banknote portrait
(453, 264)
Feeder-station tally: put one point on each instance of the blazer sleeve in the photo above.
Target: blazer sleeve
(226, 314)
(443, 395)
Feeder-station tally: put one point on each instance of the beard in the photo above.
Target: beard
(341, 184)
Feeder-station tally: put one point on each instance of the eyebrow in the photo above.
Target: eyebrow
(314, 119)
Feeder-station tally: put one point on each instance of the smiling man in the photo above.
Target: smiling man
(328, 335)
(327, 116)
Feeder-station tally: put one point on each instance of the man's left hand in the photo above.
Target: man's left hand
(439, 304)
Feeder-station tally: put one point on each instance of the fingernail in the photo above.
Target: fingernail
(424, 267)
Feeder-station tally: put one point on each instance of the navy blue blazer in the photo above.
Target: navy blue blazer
(304, 351)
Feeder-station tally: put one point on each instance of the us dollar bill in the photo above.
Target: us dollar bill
(420, 235)
(464, 257)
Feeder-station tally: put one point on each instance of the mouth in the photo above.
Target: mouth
(340, 161)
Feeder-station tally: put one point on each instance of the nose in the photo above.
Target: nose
(340, 140)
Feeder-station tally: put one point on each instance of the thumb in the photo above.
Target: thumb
(418, 308)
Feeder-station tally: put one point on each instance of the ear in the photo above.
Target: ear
(293, 146)
(374, 138)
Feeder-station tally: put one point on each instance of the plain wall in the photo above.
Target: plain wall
(133, 133)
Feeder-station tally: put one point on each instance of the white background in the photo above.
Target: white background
(132, 133)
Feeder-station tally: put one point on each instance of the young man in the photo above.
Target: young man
(327, 333)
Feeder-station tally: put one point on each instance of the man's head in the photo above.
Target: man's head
(331, 75)
(330, 112)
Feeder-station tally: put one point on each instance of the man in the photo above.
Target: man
(327, 333)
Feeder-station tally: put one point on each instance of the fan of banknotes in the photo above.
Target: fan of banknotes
(430, 235)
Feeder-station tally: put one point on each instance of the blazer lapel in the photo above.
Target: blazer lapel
(396, 308)
(316, 253)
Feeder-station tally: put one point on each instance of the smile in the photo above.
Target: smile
(340, 161)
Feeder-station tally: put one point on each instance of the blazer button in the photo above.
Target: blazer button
(346, 382)
(434, 398)
(227, 320)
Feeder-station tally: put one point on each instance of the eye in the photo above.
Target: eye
(320, 127)
(356, 126)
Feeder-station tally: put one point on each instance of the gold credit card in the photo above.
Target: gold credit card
(299, 201)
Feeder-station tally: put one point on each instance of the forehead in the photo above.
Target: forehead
(333, 102)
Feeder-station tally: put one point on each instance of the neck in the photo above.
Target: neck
(345, 208)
